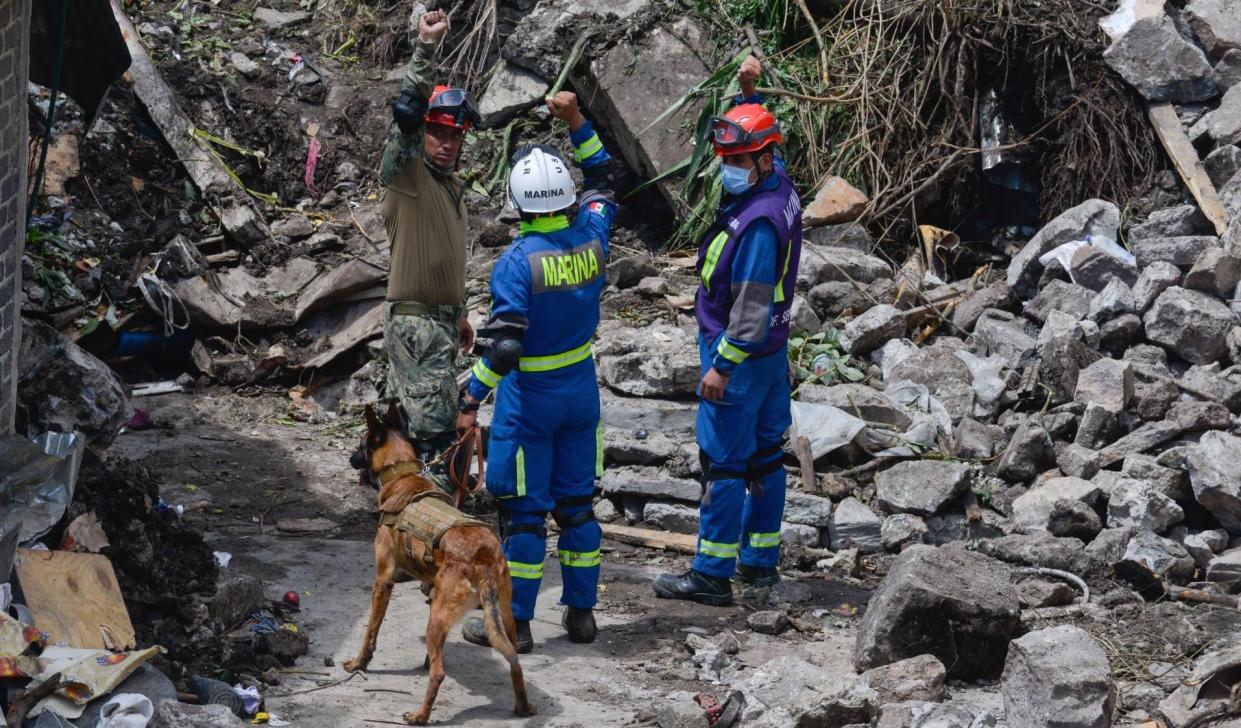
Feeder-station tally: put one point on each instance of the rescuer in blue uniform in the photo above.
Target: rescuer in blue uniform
(747, 263)
(546, 446)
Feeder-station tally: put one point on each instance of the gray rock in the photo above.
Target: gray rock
(917, 714)
(1215, 475)
(1169, 481)
(1109, 546)
(855, 526)
(802, 316)
(1093, 217)
(769, 622)
(62, 387)
(975, 440)
(1172, 222)
(1107, 383)
(511, 90)
(950, 527)
(1223, 387)
(237, 596)
(639, 447)
(1028, 451)
(901, 530)
(1117, 333)
(1223, 163)
(682, 715)
(921, 487)
(627, 272)
(1032, 511)
(648, 482)
(1223, 124)
(670, 516)
(861, 401)
(1225, 569)
(872, 329)
(945, 376)
(1233, 342)
(630, 86)
(998, 295)
(277, 19)
(834, 298)
(1094, 269)
(1139, 504)
(1140, 696)
(1149, 556)
(1041, 549)
(807, 509)
(1179, 251)
(820, 264)
(1217, 23)
(1078, 461)
(956, 605)
(796, 534)
(1114, 300)
(244, 65)
(1160, 63)
(1190, 324)
(841, 564)
(656, 361)
(1060, 296)
(175, 714)
(1215, 272)
(844, 235)
(1060, 362)
(1228, 71)
(1204, 545)
(1056, 677)
(919, 678)
(1038, 594)
(1074, 519)
(243, 226)
(1152, 398)
(605, 511)
(294, 226)
(1003, 334)
(1155, 279)
(1097, 427)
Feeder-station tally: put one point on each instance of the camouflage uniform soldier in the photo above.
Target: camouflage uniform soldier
(424, 212)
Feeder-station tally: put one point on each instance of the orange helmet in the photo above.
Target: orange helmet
(452, 107)
(745, 128)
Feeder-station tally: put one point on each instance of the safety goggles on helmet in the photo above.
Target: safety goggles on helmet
(452, 107)
(751, 130)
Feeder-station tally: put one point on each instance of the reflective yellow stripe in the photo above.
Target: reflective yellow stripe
(588, 147)
(518, 570)
(764, 540)
(730, 352)
(599, 450)
(788, 254)
(713, 257)
(582, 559)
(555, 361)
(718, 550)
(485, 375)
(521, 472)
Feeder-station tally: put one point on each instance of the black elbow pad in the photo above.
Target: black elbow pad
(408, 111)
(506, 354)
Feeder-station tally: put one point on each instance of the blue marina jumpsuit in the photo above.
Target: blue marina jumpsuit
(546, 446)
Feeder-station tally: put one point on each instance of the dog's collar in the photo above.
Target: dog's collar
(393, 472)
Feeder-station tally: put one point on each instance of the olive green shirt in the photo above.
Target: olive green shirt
(423, 208)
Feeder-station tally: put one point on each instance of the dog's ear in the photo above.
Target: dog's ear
(372, 421)
(393, 419)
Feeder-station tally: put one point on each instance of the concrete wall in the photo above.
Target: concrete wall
(14, 60)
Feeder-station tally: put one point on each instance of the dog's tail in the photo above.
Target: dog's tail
(493, 621)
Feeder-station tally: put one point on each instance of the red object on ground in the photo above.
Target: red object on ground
(291, 598)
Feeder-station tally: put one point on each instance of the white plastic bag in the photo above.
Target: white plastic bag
(987, 383)
(827, 428)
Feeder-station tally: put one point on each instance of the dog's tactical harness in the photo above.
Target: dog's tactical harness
(428, 516)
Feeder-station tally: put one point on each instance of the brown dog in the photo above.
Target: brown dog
(466, 567)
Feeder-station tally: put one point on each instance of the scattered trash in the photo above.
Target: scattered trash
(85, 534)
(214, 692)
(250, 698)
(291, 599)
(126, 710)
(39, 483)
(153, 388)
(222, 558)
(141, 420)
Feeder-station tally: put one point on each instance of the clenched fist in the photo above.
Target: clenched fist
(563, 106)
(749, 74)
(432, 26)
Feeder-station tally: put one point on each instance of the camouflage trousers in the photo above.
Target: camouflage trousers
(422, 368)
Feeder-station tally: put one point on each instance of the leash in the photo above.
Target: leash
(458, 455)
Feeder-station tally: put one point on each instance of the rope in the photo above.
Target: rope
(161, 299)
(51, 112)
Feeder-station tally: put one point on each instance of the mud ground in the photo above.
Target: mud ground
(234, 461)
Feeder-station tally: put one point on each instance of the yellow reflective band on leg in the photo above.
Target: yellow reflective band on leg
(764, 540)
(599, 450)
(521, 472)
(518, 570)
(730, 352)
(580, 559)
(779, 297)
(718, 550)
(712, 257)
(485, 375)
(555, 361)
(588, 147)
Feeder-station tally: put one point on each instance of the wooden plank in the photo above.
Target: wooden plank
(681, 543)
(1176, 143)
(75, 598)
(805, 461)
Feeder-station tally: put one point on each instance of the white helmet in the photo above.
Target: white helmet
(540, 181)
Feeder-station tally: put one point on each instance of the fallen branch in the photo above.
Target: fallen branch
(324, 686)
(1203, 597)
(805, 459)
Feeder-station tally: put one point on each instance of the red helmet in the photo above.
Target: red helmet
(745, 128)
(452, 107)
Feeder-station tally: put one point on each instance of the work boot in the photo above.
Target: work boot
(475, 632)
(580, 624)
(713, 591)
(755, 584)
